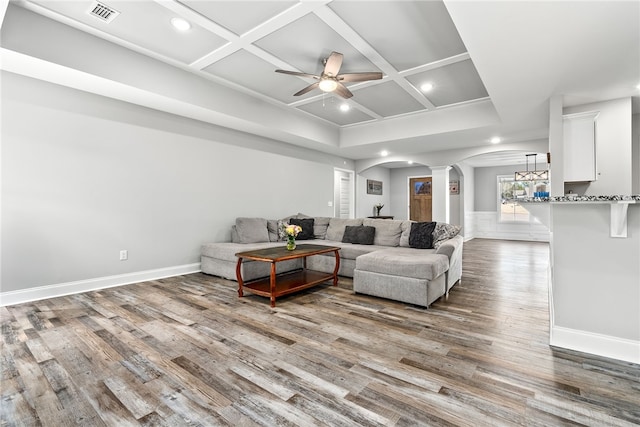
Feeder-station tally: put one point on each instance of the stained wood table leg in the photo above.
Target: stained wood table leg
(273, 284)
(239, 277)
(336, 268)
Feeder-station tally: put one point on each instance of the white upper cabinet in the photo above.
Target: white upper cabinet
(580, 147)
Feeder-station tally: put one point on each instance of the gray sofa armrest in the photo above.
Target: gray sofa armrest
(453, 249)
(451, 246)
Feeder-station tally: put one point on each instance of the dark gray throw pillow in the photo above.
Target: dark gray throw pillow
(360, 234)
(421, 236)
(307, 228)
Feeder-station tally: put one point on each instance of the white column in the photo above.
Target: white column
(440, 193)
(556, 145)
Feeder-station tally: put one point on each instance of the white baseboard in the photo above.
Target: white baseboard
(62, 289)
(600, 345)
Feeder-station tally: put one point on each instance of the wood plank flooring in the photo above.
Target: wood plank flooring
(186, 351)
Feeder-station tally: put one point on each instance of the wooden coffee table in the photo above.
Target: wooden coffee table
(285, 283)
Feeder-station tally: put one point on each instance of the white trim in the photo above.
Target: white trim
(62, 289)
(469, 231)
(600, 345)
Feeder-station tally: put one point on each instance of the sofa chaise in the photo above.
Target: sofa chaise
(376, 253)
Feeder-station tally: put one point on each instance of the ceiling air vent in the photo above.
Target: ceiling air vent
(103, 12)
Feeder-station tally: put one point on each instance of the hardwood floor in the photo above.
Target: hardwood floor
(186, 351)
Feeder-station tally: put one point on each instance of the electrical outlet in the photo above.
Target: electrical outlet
(330, 204)
(124, 255)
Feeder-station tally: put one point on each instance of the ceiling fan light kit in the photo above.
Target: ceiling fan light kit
(330, 81)
(327, 84)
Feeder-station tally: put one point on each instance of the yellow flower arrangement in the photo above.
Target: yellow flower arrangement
(292, 230)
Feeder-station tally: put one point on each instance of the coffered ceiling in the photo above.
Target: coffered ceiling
(497, 62)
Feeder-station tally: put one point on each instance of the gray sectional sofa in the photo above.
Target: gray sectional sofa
(389, 268)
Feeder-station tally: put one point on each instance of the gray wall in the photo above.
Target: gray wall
(364, 201)
(400, 192)
(486, 186)
(84, 177)
(596, 278)
(400, 188)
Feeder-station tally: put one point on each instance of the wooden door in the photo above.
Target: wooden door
(420, 199)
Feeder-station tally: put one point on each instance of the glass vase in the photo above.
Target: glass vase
(291, 243)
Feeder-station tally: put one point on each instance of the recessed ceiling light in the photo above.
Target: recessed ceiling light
(495, 140)
(426, 87)
(180, 24)
(410, 162)
(384, 153)
(344, 107)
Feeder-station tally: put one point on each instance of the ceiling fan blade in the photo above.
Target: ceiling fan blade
(359, 77)
(334, 62)
(343, 91)
(296, 73)
(307, 89)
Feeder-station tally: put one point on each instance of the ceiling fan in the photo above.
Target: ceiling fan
(330, 80)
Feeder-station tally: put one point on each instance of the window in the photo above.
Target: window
(509, 191)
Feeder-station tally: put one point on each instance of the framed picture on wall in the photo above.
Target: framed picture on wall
(454, 187)
(374, 187)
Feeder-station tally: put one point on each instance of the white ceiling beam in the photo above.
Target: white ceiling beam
(435, 64)
(3, 10)
(246, 40)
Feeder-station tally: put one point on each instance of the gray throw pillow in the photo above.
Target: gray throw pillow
(406, 231)
(272, 227)
(252, 230)
(361, 234)
(234, 235)
(320, 225)
(388, 231)
(335, 231)
(421, 236)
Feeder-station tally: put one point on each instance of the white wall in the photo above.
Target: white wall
(635, 151)
(467, 202)
(84, 177)
(364, 201)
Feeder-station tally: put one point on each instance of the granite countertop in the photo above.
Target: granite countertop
(582, 199)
